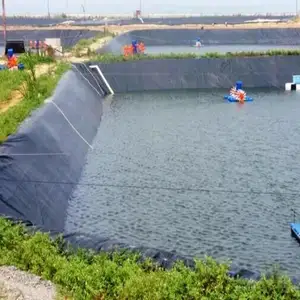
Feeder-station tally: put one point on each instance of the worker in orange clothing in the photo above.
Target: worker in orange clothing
(12, 59)
(125, 50)
(141, 47)
(131, 49)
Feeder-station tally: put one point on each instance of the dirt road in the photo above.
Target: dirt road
(125, 28)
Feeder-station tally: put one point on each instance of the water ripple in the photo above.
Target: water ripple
(186, 141)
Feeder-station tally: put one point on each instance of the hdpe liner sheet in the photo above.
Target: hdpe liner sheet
(32, 21)
(173, 37)
(41, 164)
(167, 74)
(68, 37)
(47, 152)
(200, 20)
(44, 21)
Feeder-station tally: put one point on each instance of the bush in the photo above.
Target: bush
(122, 275)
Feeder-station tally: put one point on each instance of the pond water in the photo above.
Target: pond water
(217, 48)
(190, 172)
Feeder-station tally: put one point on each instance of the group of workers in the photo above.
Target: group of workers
(134, 48)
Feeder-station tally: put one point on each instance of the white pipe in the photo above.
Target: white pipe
(103, 78)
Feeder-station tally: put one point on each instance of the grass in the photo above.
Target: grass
(111, 58)
(30, 60)
(10, 81)
(122, 275)
(84, 45)
(38, 89)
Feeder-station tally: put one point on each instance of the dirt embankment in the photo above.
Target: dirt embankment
(19, 285)
(125, 28)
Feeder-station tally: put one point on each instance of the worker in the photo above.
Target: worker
(141, 47)
(12, 60)
(134, 47)
(198, 43)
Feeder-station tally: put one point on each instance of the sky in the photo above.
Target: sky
(150, 6)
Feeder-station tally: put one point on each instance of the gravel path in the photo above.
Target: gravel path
(19, 285)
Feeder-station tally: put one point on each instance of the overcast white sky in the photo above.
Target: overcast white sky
(150, 6)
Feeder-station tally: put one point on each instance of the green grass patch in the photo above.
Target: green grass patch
(30, 60)
(121, 275)
(84, 45)
(9, 81)
(37, 90)
(111, 58)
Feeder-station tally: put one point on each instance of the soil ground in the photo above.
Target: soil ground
(19, 285)
(125, 28)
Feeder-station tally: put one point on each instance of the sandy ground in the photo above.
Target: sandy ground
(93, 47)
(19, 285)
(17, 95)
(100, 43)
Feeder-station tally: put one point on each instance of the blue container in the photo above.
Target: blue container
(239, 85)
(21, 66)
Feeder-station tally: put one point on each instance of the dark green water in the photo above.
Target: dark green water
(190, 172)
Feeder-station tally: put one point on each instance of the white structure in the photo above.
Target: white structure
(289, 86)
(295, 85)
(103, 78)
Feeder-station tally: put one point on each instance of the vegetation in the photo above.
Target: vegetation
(10, 81)
(111, 58)
(34, 91)
(30, 60)
(83, 274)
(84, 46)
(122, 275)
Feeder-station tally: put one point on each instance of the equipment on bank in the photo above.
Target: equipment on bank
(295, 85)
(12, 61)
(18, 46)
